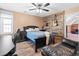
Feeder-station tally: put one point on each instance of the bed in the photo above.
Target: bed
(36, 36)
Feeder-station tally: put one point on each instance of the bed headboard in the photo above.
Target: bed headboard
(27, 27)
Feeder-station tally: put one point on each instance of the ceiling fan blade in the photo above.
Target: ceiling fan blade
(34, 4)
(32, 9)
(45, 9)
(46, 4)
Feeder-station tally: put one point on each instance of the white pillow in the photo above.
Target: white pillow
(36, 29)
(30, 29)
(27, 30)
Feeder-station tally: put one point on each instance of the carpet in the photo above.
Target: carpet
(26, 49)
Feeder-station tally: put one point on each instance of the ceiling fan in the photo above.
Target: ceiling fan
(40, 6)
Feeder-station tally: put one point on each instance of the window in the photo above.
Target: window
(6, 22)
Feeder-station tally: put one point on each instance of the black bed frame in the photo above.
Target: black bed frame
(40, 42)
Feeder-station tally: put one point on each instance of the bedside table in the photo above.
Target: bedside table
(57, 39)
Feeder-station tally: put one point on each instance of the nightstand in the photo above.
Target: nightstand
(57, 39)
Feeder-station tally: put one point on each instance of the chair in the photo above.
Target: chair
(64, 48)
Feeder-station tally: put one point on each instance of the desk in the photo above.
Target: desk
(6, 44)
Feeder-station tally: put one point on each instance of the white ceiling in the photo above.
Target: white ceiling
(24, 8)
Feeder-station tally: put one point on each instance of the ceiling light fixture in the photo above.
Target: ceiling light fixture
(39, 7)
(39, 11)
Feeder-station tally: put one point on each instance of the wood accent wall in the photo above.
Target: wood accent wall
(51, 20)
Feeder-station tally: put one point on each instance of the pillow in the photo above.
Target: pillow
(30, 29)
(27, 30)
(36, 29)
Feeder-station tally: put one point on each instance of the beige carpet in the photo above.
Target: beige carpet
(26, 49)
